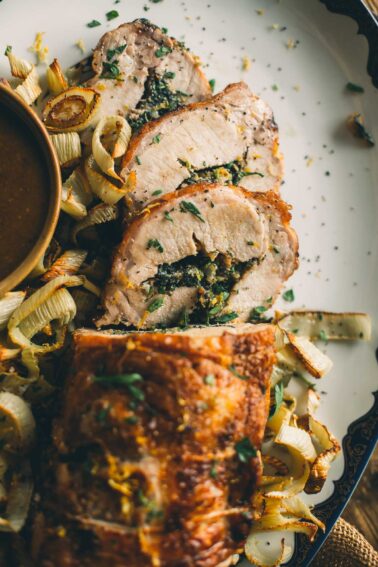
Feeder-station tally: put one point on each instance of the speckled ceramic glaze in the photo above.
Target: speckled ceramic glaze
(302, 55)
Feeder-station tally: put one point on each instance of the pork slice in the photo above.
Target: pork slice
(234, 129)
(143, 54)
(199, 226)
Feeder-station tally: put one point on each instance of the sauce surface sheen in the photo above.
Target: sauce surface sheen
(23, 191)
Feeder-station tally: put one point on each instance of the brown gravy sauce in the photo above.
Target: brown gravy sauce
(23, 191)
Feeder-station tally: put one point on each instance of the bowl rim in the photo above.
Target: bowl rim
(28, 116)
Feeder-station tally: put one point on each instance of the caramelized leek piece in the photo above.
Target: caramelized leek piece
(329, 448)
(73, 110)
(110, 140)
(18, 499)
(50, 303)
(98, 215)
(17, 425)
(56, 81)
(261, 556)
(20, 68)
(324, 325)
(29, 90)
(67, 264)
(67, 147)
(8, 303)
(76, 195)
(315, 362)
(101, 186)
(275, 518)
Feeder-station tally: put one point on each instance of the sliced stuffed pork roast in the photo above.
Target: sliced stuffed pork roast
(156, 454)
(203, 254)
(232, 138)
(142, 73)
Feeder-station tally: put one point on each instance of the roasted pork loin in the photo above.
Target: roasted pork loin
(231, 138)
(156, 451)
(142, 73)
(203, 254)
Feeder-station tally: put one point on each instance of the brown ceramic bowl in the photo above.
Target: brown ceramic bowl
(14, 105)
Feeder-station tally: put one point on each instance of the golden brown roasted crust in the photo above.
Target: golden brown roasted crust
(184, 497)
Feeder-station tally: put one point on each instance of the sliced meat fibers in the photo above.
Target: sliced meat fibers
(157, 449)
(231, 138)
(142, 73)
(204, 254)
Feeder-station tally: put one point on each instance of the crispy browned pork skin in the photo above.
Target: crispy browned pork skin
(231, 138)
(157, 449)
(202, 254)
(139, 69)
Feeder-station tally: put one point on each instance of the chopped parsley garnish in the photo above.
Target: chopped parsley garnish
(212, 84)
(93, 24)
(236, 373)
(156, 139)
(110, 70)
(209, 379)
(127, 381)
(163, 51)
(102, 414)
(278, 398)
(154, 243)
(213, 470)
(164, 30)
(8, 50)
(245, 450)
(288, 295)
(111, 15)
(155, 304)
(137, 159)
(169, 75)
(276, 250)
(116, 51)
(168, 217)
(323, 336)
(257, 314)
(157, 192)
(188, 207)
(358, 129)
(274, 87)
(131, 419)
(354, 88)
(226, 317)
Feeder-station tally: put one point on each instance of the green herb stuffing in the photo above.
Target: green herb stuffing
(323, 336)
(245, 450)
(213, 278)
(229, 173)
(156, 139)
(167, 216)
(157, 192)
(158, 99)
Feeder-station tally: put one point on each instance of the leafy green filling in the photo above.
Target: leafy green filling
(213, 278)
(232, 173)
(158, 99)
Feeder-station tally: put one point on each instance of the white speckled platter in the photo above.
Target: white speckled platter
(301, 69)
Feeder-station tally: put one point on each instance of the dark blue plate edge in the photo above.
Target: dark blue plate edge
(361, 438)
(358, 445)
(367, 25)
